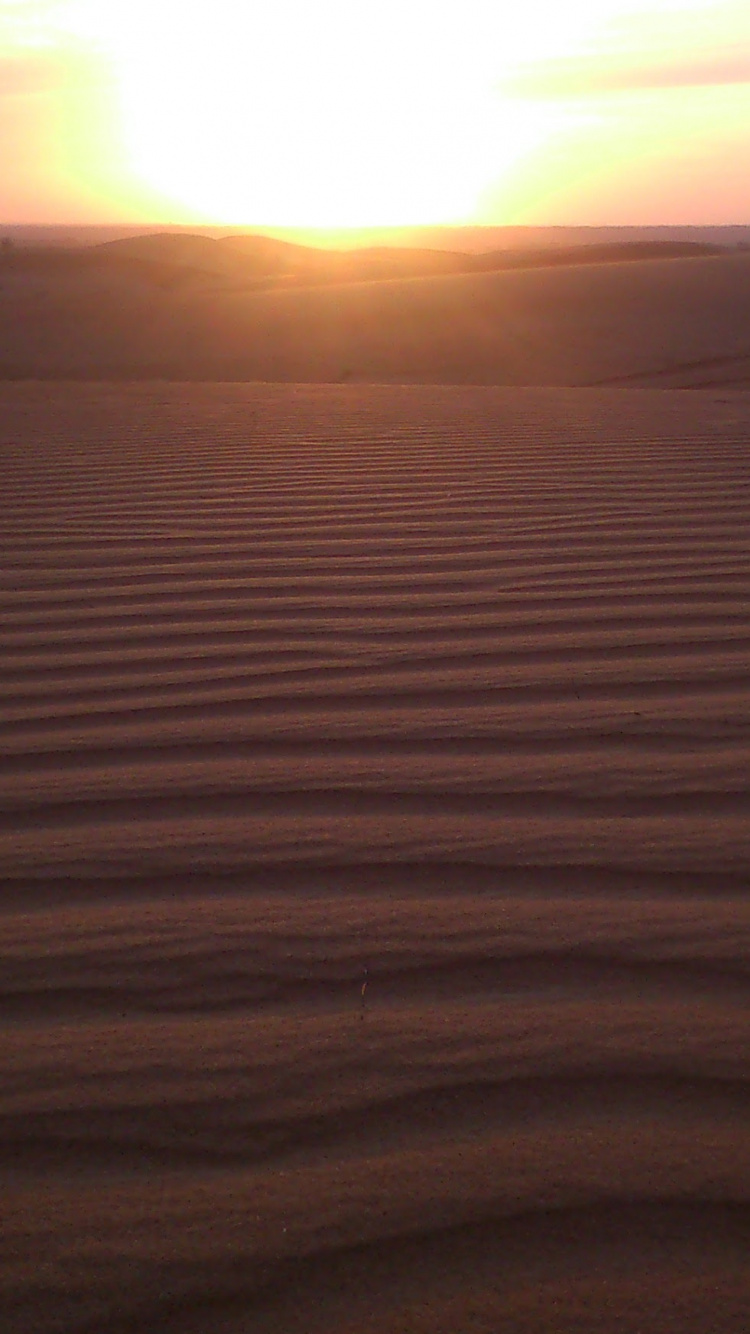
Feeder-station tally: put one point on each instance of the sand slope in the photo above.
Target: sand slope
(442, 693)
(677, 322)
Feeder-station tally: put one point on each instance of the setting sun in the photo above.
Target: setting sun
(328, 114)
(323, 115)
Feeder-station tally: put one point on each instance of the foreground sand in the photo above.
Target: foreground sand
(441, 693)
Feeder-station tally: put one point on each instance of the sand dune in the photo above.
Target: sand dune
(281, 261)
(374, 844)
(668, 323)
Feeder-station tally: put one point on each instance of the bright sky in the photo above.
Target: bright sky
(335, 113)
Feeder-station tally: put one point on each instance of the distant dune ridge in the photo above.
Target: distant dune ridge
(375, 840)
(465, 239)
(193, 307)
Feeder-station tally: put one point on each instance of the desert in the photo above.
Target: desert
(374, 804)
(639, 312)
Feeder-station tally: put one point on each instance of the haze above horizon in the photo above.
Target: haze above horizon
(322, 114)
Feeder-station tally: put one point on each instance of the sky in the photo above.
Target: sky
(347, 113)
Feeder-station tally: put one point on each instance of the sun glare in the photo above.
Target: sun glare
(329, 114)
(320, 115)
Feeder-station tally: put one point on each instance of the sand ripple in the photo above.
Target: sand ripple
(374, 832)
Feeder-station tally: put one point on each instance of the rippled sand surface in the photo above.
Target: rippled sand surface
(375, 853)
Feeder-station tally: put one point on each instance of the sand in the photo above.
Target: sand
(676, 323)
(374, 845)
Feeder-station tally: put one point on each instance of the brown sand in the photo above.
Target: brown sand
(666, 323)
(439, 693)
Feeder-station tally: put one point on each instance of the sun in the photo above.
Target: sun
(319, 116)
(325, 113)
